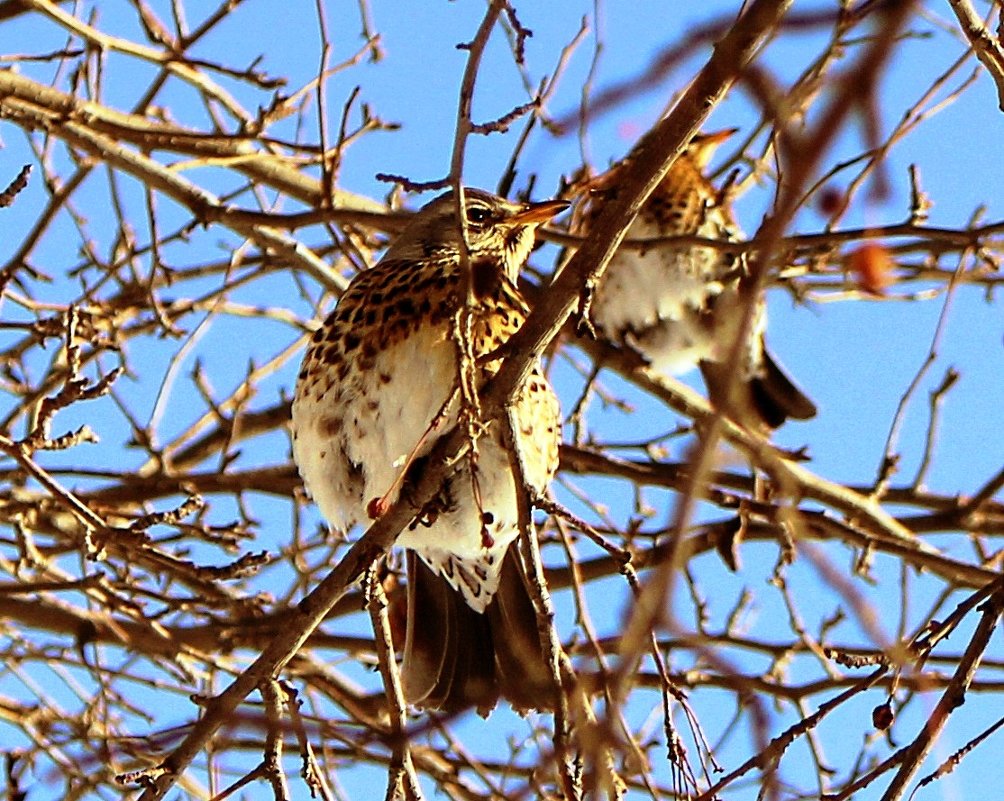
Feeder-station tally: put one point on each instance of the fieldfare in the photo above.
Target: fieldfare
(679, 306)
(377, 389)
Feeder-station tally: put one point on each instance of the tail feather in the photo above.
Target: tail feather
(456, 658)
(448, 661)
(778, 397)
(773, 395)
(524, 678)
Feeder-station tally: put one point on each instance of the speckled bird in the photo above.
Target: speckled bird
(679, 306)
(378, 388)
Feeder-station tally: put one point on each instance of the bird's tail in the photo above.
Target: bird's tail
(772, 394)
(777, 397)
(456, 658)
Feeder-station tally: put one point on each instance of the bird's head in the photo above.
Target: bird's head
(497, 229)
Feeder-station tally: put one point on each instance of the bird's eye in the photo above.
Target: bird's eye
(478, 215)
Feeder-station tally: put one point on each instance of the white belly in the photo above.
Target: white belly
(674, 306)
(355, 438)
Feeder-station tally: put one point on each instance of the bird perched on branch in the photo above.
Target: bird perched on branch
(679, 306)
(381, 382)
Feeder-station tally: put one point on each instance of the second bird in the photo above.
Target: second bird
(679, 306)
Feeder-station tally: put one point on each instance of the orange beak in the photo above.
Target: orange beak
(536, 213)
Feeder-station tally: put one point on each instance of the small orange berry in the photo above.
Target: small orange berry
(872, 265)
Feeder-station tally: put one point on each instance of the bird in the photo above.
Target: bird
(378, 387)
(679, 306)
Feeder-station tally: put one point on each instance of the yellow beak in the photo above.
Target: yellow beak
(703, 146)
(536, 213)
